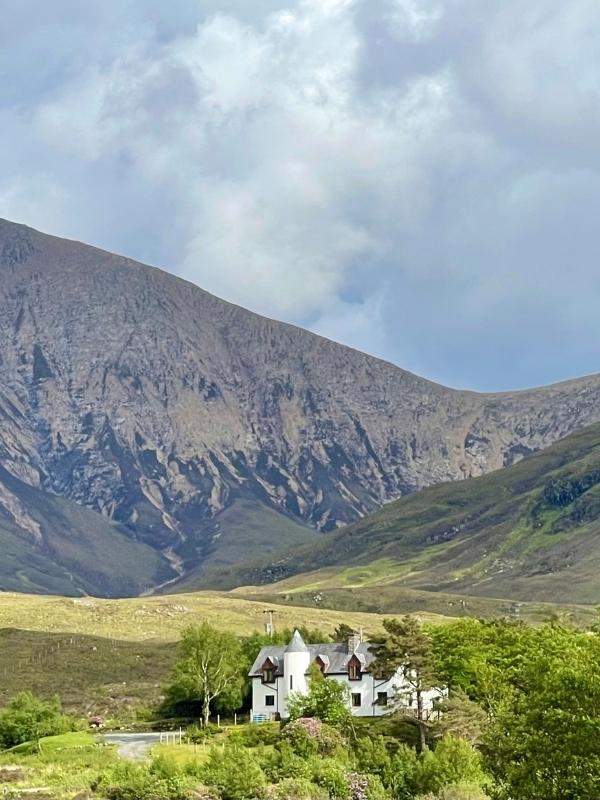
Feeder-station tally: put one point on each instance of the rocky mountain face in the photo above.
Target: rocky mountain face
(204, 431)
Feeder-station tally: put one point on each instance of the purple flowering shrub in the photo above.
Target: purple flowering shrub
(309, 736)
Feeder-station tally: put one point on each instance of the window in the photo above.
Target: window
(382, 698)
(291, 682)
(356, 700)
(268, 675)
(270, 700)
(354, 670)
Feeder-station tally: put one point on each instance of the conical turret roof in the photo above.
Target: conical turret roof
(296, 644)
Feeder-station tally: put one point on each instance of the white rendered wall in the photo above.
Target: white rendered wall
(367, 687)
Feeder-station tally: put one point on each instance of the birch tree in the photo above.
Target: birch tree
(211, 669)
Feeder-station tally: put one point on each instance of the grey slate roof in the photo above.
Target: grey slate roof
(337, 654)
(296, 644)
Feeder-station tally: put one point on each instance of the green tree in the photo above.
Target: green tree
(545, 744)
(211, 670)
(326, 700)
(28, 718)
(343, 632)
(453, 762)
(461, 717)
(409, 647)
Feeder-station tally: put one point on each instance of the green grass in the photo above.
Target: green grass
(64, 741)
(113, 657)
(527, 533)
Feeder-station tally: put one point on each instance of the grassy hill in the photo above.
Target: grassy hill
(529, 532)
(105, 656)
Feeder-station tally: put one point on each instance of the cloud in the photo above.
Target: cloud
(412, 177)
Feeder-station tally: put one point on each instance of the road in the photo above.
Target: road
(134, 746)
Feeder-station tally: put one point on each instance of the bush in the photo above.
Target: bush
(27, 718)
(140, 782)
(256, 735)
(296, 789)
(326, 700)
(457, 792)
(453, 762)
(198, 734)
(332, 776)
(283, 762)
(364, 787)
(234, 772)
(309, 736)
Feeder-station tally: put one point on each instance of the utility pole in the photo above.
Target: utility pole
(269, 624)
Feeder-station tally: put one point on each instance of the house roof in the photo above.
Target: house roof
(296, 644)
(335, 656)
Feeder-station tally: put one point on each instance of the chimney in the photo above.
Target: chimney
(353, 642)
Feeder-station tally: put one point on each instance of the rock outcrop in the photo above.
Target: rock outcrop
(161, 407)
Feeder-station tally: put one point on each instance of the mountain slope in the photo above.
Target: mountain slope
(528, 532)
(172, 413)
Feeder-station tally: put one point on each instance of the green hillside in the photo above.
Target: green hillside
(529, 532)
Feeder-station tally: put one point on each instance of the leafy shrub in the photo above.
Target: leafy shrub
(454, 761)
(309, 736)
(198, 734)
(326, 700)
(235, 772)
(140, 782)
(458, 792)
(28, 718)
(256, 735)
(364, 787)
(296, 789)
(332, 777)
(284, 762)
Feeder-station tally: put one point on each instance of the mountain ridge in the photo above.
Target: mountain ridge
(178, 416)
(529, 532)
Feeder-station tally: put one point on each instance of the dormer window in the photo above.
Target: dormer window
(322, 663)
(354, 669)
(268, 675)
(268, 671)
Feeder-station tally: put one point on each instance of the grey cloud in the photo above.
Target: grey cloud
(414, 177)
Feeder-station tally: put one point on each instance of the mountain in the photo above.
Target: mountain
(530, 532)
(206, 433)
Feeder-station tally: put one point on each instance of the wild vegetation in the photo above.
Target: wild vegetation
(503, 543)
(521, 723)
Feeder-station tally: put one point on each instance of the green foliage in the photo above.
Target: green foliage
(234, 772)
(545, 744)
(461, 718)
(408, 646)
(395, 768)
(296, 789)
(326, 700)
(332, 776)
(453, 761)
(257, 735)
(27, 718)
(310, 736)
(211, 670)
(142, 782)
(458, 792)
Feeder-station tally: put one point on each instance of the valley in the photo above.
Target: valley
(152, 434)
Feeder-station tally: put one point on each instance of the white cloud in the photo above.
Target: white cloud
(329, 162)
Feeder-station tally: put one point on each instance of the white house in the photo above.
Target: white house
(279, 671)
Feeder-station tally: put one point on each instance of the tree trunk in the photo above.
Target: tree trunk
(206, 710)
(421, 722)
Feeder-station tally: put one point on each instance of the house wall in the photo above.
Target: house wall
(367, 687)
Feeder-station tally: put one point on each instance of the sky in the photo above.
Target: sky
(419, 179)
